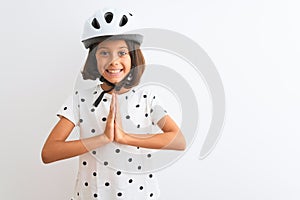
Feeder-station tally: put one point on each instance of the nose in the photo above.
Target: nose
(115, 60)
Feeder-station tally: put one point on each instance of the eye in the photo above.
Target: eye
(122, 53)
(104, 53)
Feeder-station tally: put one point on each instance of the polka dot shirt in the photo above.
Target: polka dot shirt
(115, 171)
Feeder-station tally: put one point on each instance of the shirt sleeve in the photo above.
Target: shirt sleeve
(157, 110)
(70, 109)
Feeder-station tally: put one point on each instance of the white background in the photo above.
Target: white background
(255, 47)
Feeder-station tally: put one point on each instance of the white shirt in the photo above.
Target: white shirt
(115, 171)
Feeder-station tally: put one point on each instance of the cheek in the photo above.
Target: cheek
(100, 65)
(128, 63)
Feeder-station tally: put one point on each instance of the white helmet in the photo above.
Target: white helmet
(110, 22)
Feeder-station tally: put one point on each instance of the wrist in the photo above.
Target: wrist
(105, 139)
(121, 138)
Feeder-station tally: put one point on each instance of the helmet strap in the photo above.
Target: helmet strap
(117, 87)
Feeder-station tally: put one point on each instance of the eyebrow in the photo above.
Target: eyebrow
(122, 47)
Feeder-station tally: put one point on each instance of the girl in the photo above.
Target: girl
(116, 118)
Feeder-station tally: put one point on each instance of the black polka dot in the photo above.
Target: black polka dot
(117, 150)
(78, 106)
(94, 173)
(129, 159)
(76, 92)
(93, 131)
(127, 117)
(153, 97)
(81, 120)
(118, 172)
(95, 92)
(65, 108)
(150, 175)
(86, 184)
(133, 91)
(137, 147)
(95, 195)
(130, 181)
(77, 193)
(146, 115)
(153, 123)
(151, 110)
(104, 119)
(106, 184)
(93, 110)
(141, 187)
(165, 111)
(149, 155)
(145, 96)
(105, 100)
(84, 163)
(126, 97)
(105, 163)
(119, 194)
(151, 195)
(94, 152)
(138, 126)
(137, 106)
(82, 100)
(139, 167)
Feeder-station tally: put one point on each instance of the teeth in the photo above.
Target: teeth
(114, 71)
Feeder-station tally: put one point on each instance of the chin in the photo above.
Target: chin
(114, 80)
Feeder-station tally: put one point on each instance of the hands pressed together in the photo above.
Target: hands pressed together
(171, 138)
(113, 130)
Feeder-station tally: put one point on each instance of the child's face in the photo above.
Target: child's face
(113, 60)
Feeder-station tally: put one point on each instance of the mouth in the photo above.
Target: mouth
(113, 71)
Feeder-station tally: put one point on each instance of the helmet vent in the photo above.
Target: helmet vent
(123, 21)
(108, 17)
(95, 24)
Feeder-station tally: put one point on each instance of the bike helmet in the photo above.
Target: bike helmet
(110, 22)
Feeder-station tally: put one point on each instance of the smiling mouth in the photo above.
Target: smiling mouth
(113, 71)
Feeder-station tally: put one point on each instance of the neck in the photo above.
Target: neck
(104, 86)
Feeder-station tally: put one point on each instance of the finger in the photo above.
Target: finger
(114, 102)
(112, 106)
(118, 120)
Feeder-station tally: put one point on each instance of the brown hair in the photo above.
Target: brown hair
(90, 70)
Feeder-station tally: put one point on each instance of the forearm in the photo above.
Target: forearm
(166, 140)
(55, 150)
